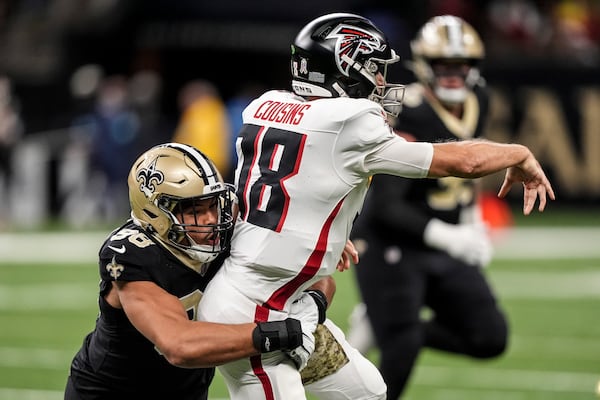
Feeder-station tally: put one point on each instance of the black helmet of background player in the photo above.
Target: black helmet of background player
(339, 55)
(447, 40)
(169, 178)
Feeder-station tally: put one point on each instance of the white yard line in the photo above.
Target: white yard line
(579, 284)
(30, 394)
(515, 243)
(22, 357)
(506, 379)
(549, 284)
(453, 379)
(77, 247)
(49, 296)
(547, 243)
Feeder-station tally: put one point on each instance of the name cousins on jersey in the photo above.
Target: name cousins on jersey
(285, 113)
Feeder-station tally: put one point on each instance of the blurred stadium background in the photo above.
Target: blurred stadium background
(542, 65)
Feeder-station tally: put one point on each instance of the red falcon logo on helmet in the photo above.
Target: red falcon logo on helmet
(352, 41)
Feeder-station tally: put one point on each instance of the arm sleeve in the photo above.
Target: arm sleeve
(368, 146)
(389, 207)
(401, 158)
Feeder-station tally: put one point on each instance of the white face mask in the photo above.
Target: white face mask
(201, 253)
(457, 95)
(451, 96)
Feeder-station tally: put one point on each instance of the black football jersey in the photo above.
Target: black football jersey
(116, 361)
(398, 209)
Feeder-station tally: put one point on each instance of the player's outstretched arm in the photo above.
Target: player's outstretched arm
(477, 158)
(162, 319)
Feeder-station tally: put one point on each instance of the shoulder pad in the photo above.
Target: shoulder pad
(126, 243)
(345, 108)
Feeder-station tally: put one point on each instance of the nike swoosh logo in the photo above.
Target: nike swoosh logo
(119, 250)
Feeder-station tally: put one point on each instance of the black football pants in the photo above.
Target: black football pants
(465, 317)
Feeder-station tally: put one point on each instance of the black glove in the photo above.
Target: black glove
(321, 300)
(277, 335)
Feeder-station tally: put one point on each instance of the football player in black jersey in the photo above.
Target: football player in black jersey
(147, 343)
(422, 242)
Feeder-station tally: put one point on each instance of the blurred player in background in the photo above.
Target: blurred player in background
(11, 131)
(423, 243)
(204, 123)
(305, 159)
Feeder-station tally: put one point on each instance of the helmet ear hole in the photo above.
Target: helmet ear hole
(150, 214)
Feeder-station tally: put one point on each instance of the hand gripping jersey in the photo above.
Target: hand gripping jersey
(116, 361)
(302, 175)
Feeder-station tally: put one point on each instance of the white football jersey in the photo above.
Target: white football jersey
(302, 175)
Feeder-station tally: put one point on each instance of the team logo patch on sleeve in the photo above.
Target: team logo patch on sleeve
(114, 270)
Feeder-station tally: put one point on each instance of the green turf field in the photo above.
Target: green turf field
(553, 304)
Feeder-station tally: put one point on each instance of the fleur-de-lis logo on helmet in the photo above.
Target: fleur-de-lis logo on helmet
(351, 42)
(149, 178)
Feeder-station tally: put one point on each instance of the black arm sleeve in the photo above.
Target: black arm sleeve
(390, 209)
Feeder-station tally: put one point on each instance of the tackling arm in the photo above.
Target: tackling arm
(161, 318)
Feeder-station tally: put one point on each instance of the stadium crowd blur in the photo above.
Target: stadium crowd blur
(87, 85)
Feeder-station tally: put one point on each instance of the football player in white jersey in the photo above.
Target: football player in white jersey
(305, 159)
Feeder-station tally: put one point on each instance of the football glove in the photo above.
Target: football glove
(306, 309)
(467, 242)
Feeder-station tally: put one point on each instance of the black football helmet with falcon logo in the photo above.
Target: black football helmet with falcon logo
(340, 55)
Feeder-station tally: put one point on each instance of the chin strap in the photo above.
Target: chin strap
(339, 90)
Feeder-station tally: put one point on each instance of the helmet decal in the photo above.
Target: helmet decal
(455, 37)
(303, 66)
(207, 170)
(352, 41)
(149, 178)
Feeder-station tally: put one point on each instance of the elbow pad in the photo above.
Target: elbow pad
(277, 335)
